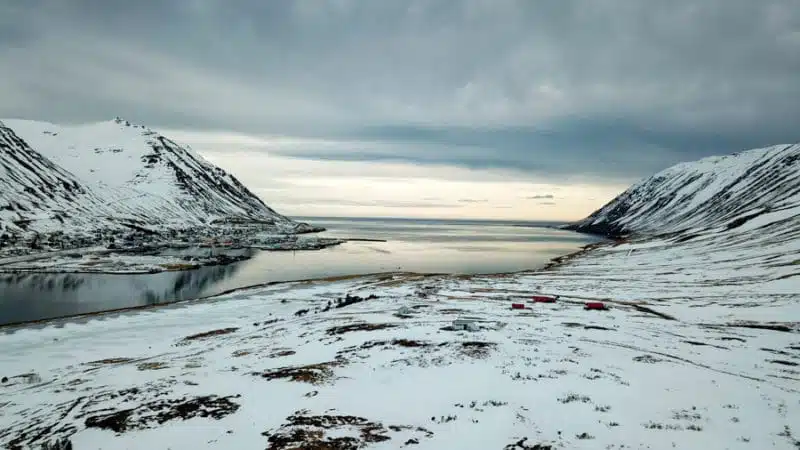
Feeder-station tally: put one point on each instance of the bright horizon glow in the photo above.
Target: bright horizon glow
(377, 189)
(425, 219)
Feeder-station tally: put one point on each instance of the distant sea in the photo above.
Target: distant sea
(425, 245)
(412, 245)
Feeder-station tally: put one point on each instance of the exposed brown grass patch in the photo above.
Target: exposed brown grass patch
(477, 349)
(178, 266)
(160, 411)
(783, 327)
(312, 373)
(152, 366)
(450, 311)
(523, 444)
(405, 343)
(207, 334)
(101, 362)
(782, 362)
(358, 327)
(409, 343)
(281, 353)
(648, 359)
(647, 310)
(306, 432)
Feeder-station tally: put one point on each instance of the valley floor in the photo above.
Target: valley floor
(700, 349)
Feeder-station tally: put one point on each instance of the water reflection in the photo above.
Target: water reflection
(39, 296)
(414, 246)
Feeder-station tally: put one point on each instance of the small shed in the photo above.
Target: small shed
(517, 306)
(465, 324)
(544, 299)
(595, 306)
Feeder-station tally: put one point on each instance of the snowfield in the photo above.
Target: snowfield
(700, 348)
(285, 368)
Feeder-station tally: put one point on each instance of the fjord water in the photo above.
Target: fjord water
(425, 246)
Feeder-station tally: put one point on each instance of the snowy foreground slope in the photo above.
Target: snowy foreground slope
(700, 349)
(115, 177)
(720, 192)
(278, 368)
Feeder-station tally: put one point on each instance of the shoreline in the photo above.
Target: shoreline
(221, 259)
(187, 265)
(553, 263)
(208, 298)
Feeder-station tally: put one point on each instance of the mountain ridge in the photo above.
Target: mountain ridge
(112, 176)
(714, 193)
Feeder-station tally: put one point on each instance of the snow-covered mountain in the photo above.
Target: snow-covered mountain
(34, 190)
(758, 187)
(113, 175)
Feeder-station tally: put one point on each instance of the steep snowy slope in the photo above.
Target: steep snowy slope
(760, 186)
(36, 193)
(113, 177)
(146, 174)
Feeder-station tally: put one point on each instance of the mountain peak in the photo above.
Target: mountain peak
(127, 176)
(120, 121)
(128, 124)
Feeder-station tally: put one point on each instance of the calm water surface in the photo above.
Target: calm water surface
(428, 246)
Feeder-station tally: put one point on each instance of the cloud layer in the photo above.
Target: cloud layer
(611, 89)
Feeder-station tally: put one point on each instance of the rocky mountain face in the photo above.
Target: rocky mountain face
(35, 192)
(114, 176)
(754, 189)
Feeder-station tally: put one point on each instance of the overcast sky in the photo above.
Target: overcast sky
(437, 108)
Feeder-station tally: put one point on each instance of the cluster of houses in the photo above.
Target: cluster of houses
(599, 306)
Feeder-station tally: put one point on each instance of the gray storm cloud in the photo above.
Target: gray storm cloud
(613, 88)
